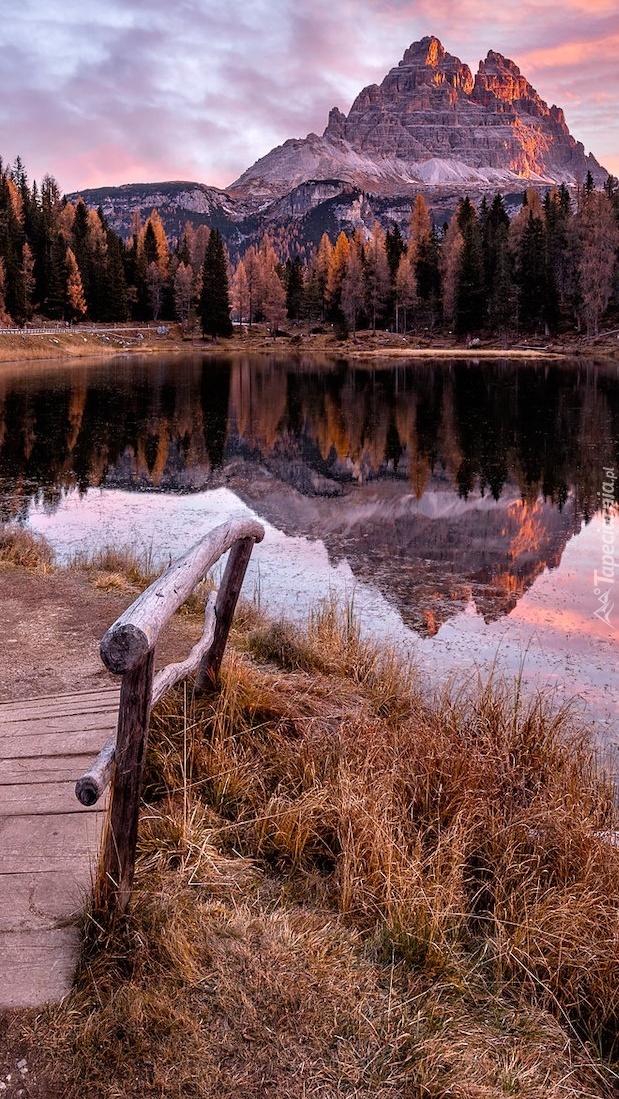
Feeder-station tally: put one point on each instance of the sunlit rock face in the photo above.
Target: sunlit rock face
(430, 126)
(432, 123)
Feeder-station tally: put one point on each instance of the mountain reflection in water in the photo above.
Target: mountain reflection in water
(439, 482)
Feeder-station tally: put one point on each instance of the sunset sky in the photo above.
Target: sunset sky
(149, 90)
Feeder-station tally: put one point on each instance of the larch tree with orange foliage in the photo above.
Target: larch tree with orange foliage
(353, 287)
(240, 293)
(377, 283)
(76, 301)
(597, 240)
(335, 274)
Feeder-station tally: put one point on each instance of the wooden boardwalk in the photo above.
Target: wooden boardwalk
(48, 841)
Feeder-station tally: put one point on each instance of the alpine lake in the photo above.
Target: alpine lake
(466, 509)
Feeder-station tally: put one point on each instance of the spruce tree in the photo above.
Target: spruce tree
(395, 248)
(294, 288)
(532, 270)
(116, 300)
(470, 291)
(55, 302)
(80, 235)
(215, 296)
(497, 266)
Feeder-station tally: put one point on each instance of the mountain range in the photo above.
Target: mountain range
(430, 126)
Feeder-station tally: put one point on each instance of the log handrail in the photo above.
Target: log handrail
(135, 633)
(128, 649)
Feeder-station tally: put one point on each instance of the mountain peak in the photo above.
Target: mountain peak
(499, 78)
(427, 63)
(430, 122)
(428, 51)
(336, 126)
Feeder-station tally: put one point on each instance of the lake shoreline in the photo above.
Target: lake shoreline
(55, 344)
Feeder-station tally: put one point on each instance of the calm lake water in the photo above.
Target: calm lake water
(465, 506)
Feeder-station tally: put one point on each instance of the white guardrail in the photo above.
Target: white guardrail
(78, 329)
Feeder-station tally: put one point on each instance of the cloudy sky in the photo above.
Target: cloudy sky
(148, 90)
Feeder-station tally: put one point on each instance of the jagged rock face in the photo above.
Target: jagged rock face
(177, 203)
(430, 122)
(430, 126)
(421, 92)
(537, 135)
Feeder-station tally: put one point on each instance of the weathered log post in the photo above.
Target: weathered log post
(227, 599)
(130, 753)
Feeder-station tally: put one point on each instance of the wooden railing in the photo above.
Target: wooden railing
(128, 649)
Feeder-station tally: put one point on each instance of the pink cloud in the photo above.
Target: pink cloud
(201, 90)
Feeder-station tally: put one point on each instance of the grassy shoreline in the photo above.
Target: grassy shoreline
(346, 887)
(67, 344)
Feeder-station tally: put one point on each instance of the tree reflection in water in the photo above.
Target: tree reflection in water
(438, 481)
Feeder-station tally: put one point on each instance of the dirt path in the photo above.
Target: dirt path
(50, 628)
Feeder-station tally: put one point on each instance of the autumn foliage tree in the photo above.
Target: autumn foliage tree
(76, 301)
(551, 266)
(353, 286)
(597, 240)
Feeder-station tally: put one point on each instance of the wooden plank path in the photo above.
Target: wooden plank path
(48, 841)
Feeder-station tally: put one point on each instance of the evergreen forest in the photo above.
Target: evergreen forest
(551, 268)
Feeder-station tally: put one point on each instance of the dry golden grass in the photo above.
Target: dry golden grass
(347, 889)
(120, 568)
(20, 548)
(128, 569)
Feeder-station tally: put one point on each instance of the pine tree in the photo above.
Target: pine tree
(215, 298)
(80, 235)
(28, 280)
(321, 268)
(395, 248)
(470, 288)
(116, 296)
(55, 303)
(451, 252)
(497, 266)
(405, 289)
(11, 246)
(274, 299)
(35, 235)
(557, 215)
(532, 274)
(240, 293)
(154, 285)
(337, 266)
(294, 288)
(96, 264)
(4, 317)
(501, 290)
(423, 240)
(252, 274)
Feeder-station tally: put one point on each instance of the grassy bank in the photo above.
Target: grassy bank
(69, 343)
(346, 887)
(112, 340)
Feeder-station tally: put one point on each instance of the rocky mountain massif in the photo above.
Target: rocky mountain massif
(431, 126)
